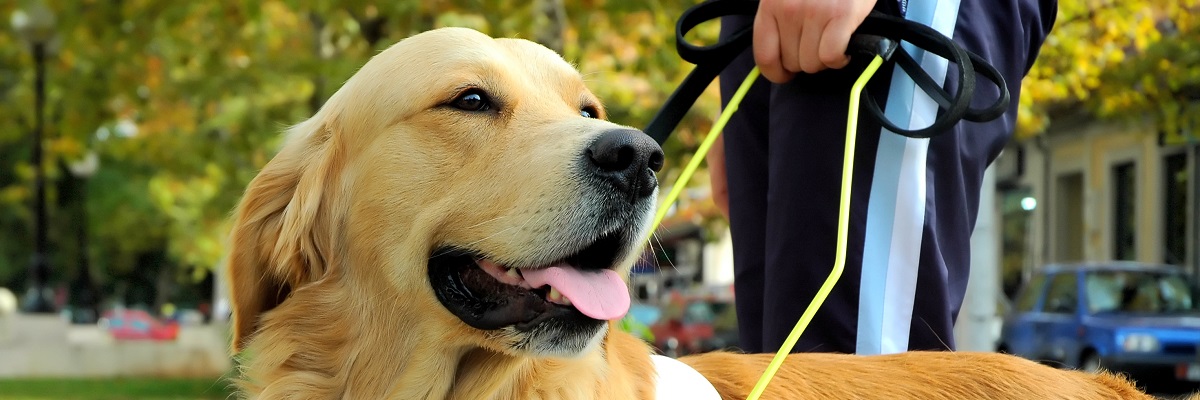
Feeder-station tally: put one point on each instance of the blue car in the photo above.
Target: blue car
(1139, 319)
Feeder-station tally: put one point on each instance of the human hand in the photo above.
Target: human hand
(792, 36)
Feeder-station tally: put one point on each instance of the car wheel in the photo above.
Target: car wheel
(1090, 363)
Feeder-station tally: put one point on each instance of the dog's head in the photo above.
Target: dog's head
(469, 183)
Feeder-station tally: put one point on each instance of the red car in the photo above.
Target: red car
(137, 325)
(698, 328)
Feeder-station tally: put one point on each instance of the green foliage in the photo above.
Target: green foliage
(636, 328)
(114, 389)
(1116, 58)
(185, 101)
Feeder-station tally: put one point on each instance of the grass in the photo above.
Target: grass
(114, 389)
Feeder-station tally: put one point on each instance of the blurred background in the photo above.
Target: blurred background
(129, 129)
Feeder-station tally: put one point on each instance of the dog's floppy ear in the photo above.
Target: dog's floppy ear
(279, 240)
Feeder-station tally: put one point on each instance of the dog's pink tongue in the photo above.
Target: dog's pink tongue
(598, 294)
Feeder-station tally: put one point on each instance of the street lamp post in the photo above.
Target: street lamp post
(84, 297)
(35, 25)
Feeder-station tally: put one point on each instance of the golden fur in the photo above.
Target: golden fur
(333, 238)
(913, 375)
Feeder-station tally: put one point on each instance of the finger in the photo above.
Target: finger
(766, 49)
(832, 47)
(790, 38)
(810, 43)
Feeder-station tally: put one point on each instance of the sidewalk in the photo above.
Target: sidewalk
(47, 346)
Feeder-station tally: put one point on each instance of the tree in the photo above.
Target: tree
(1115, 59)
(185, 101)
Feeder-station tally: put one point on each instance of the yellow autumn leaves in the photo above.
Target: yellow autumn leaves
(1087, 59)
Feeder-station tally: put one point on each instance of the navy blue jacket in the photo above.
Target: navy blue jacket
(914, 201)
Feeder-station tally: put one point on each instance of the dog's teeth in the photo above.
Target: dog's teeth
(566, 301)
(555, 295)
(512, 273)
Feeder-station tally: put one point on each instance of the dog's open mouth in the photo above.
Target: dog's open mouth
(487, 294)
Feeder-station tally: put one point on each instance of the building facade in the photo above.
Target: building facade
(1099, 190)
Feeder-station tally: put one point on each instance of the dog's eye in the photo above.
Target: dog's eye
(589, 112)
(472, 100)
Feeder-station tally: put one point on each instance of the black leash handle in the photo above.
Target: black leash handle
(709, 60)
(956, 107)
(878, 35)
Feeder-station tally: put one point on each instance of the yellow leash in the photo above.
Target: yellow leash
(711, 138)
(843, 208)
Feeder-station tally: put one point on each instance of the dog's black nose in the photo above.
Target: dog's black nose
(628, 158)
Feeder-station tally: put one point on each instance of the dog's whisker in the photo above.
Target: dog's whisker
(489, 221)
(494, 234)
(667, 257)
(527, 222)
(497, 233)
(229, 377)
(935, 334)
(658, 265)
(471, 244)
(539, 218)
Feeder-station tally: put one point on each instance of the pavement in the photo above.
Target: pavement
(47, 346)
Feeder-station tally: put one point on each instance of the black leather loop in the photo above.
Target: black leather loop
(709, 60)
(709, 11)
(878, 35)
(931, 41)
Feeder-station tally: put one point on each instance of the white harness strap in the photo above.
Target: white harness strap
(677, 380)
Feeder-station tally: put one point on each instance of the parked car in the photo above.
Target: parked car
(1134, 318)
(702, 325)
(137, 325)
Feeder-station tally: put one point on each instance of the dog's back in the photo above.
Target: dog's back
(912, 375)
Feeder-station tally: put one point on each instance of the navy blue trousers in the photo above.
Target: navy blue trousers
(914, 201)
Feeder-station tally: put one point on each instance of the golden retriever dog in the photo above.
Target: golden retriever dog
(457, 222)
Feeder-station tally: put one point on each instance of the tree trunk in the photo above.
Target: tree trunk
(551, 32)
(317, 99)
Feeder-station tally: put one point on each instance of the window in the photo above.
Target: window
(1175, 197)
(1029, 296)
(1063, 296)
(1069, 217)
(1124, 212)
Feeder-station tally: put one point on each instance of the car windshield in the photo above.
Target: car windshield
(1139, 292)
